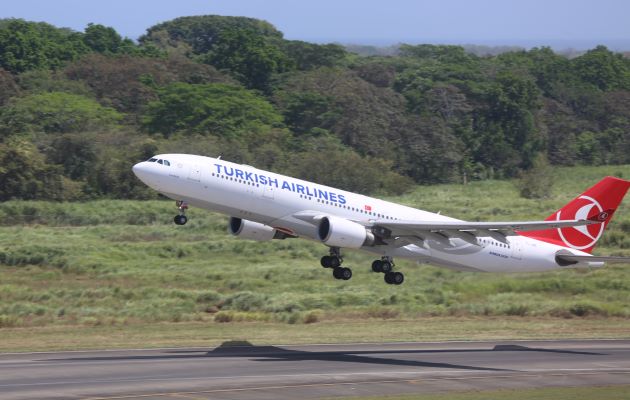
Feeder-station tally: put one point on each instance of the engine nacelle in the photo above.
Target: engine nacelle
(251, 230)
(340, 232)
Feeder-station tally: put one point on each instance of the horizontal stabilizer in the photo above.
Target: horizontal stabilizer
(570, 259)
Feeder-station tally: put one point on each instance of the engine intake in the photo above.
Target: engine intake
(340, 232)
(251, 230)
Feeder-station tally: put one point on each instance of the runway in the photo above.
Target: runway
(245, 371)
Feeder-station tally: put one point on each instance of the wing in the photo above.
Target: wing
(413, 231)
(469, 231)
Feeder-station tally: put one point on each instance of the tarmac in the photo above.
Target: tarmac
(240, 370)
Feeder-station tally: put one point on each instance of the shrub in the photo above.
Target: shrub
(312, 317)
(584, 309)
(9, 321)
(537, 182)
(245, 301)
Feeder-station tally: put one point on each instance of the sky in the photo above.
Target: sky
(558, 23)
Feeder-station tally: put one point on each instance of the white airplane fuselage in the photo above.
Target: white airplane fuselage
(268, 198)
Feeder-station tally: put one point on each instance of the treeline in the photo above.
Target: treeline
(77, 109)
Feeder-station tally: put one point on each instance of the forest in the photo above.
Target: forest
(78, 109)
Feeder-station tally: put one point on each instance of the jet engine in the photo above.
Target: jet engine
(251, 230)
(340, 232)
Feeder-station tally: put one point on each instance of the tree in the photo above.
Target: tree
(431, 152)
(537, 182)
(29, 45)
(200, 33)
(603, 69)
(306, 56)
(510, 139)
(363, 175)
(75, 153)
(211, 109)
(247, 56)
(128, 83)
(549, 69)
(8, 87)
(25, 175)
(305, 112)
(365, 117)
(44, 80)
(442, 53)
(104, 39)
(55, 112)
(378, 73)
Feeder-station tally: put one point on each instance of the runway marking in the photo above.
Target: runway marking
(410, 381)
(185, 396)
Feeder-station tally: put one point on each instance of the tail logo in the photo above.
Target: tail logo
(581, 237)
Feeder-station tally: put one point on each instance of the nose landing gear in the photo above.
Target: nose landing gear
(181, 218)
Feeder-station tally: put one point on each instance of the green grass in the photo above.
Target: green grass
(367, 330)
(123, 263)
(570, 393)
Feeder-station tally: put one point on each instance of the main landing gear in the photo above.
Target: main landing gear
(334, 261)
(386, 266)
(181, 218)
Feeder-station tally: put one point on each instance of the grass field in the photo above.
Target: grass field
(577, 393)
(122, 264)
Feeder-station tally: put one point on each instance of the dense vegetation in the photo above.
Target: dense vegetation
(77, 109)
(124, 262)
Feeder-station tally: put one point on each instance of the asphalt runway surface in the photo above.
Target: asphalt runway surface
(239, 370)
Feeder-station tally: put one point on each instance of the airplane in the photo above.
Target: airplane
(264, 206)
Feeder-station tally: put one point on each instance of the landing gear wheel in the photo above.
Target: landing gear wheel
(377, 266)
(399, 278)
(330, 262)
(342, 273)
(386, 266)
(180, 220)
(394, 278)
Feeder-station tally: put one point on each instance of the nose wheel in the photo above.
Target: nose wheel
(181, 219)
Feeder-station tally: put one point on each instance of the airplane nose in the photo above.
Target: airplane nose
(141, 171)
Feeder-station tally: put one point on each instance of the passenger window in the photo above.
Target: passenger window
(159, 161)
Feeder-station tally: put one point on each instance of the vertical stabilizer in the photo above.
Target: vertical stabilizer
(600, 202)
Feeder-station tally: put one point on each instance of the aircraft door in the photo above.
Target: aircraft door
(195, 173)
(268, 192)
(517, 249)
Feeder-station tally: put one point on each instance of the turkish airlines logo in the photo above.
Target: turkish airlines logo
(585, 236)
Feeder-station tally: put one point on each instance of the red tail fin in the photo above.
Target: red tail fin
(597, 203)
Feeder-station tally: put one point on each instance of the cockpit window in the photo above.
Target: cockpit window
(159, 161)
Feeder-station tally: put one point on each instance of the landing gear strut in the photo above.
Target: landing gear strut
(181, 218)
(334, 261)
(386, 266)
